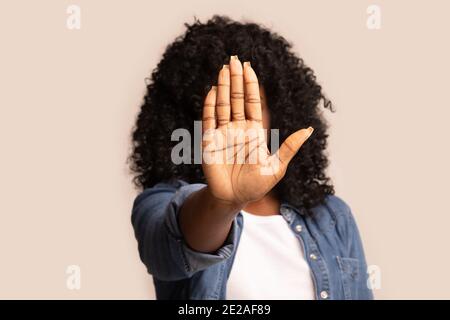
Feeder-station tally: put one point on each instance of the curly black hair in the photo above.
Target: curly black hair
(188, 68)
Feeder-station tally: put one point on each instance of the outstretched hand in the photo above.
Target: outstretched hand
(236, 160)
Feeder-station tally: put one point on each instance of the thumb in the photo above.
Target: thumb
(292, 144)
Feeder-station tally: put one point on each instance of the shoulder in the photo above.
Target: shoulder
(337, 206)
(158, 194)
(162, 193)
(333, 215)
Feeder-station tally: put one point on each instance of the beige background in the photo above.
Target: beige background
(68, 100)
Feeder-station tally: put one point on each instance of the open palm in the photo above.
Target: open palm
(236, 161)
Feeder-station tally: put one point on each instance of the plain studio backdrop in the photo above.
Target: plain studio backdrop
(68, 100)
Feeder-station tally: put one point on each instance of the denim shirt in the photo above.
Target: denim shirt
(329, 236)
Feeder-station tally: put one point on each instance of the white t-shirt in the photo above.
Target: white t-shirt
(269, 262)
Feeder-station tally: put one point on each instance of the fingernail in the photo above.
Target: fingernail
(225, 66)
(214, 88)
(310, 131)
(234, 58)
(247, 64)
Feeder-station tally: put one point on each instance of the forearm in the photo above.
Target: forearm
(205, 221)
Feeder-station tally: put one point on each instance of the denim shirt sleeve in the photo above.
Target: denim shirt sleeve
(162, 247)
(352, 246)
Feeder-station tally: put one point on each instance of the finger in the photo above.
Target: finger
(292, 144)
(252, 96)
(209, 107)
(237, 90)
(223, 97)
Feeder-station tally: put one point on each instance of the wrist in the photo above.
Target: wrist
(224, 206)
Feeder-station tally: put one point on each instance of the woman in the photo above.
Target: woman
(228, 229)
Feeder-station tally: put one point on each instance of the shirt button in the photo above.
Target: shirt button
(313, 256)
(298, 228)
(324, 294)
